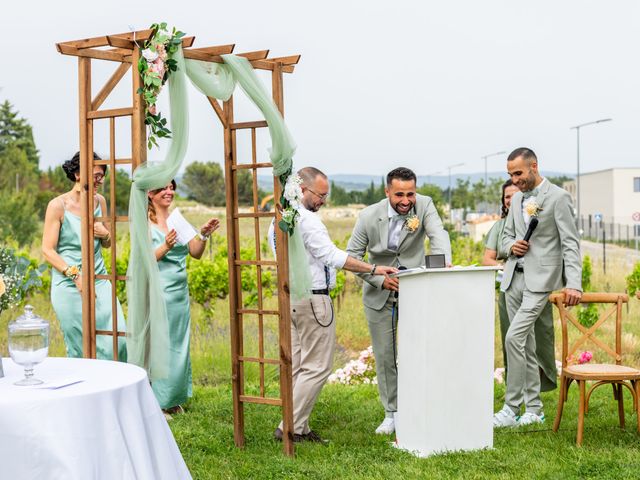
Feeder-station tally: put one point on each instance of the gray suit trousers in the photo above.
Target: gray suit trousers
(382, 340)
(523, 378)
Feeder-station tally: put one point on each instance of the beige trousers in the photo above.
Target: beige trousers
(313, 340)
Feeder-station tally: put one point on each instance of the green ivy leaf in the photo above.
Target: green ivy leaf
(284, 226)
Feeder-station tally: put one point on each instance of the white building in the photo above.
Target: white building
(609, 196)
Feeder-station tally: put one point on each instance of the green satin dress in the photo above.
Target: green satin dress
(175, 389)
(67, 302)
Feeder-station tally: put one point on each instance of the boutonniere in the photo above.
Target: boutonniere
(411, 223)
(532, 209)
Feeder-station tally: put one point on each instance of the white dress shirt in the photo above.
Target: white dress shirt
(527, 201)
(321, 251)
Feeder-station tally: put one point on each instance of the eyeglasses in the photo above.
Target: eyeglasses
(97, 177)
(321, 197)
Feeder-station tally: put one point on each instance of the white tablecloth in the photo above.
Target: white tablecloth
(107, 427)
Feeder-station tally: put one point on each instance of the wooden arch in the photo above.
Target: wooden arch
(122, 49)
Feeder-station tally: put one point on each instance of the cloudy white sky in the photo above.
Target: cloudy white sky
(380, 83)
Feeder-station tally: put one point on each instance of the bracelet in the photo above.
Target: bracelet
(72, 272)
(373, 269)
(202, 237)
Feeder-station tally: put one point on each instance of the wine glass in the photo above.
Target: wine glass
(28, 343)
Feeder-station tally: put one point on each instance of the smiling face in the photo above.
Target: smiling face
(508, 195)
(97, 175)
(524, 173)
(401, 195)
(162, 197)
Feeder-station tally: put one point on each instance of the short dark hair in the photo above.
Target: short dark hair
(309, 175)
(524, 152)
(401, 173)
(504, 210)
(72, 166)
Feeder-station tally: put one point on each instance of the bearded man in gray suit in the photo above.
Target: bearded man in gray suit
(549, 261)
(393, 232)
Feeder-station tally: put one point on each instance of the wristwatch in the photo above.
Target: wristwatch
(202, 237)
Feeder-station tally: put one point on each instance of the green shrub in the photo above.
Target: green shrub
(21, 276)
(633, 280)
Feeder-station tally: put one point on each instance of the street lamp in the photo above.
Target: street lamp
(577, 129)
(449, 168)
(486, 180)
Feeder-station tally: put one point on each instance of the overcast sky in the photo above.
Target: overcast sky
(380, 84)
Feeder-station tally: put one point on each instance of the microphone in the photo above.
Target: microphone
(400, 267)
(533, 223)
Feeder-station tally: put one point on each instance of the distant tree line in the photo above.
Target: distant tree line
(204, 183)
(463, 195)
(25, 190)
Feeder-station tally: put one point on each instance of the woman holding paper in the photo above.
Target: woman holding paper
(173, 239)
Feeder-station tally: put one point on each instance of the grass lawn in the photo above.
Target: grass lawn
(347, 415)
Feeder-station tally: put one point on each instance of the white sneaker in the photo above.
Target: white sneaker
(505, 418)
(530, 418)
(387, 427)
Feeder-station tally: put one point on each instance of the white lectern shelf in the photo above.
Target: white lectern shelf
(445, 359)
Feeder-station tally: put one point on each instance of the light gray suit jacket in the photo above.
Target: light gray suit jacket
(371, 234)
(553, 260)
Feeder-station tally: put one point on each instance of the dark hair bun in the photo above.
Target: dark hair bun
(71, 167)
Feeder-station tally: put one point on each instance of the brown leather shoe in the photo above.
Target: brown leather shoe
(314, 437)
(297, 438)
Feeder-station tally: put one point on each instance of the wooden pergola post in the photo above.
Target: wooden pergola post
(123, 49)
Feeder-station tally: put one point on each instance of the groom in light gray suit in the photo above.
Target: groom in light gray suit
(548, 261)
(393, 232)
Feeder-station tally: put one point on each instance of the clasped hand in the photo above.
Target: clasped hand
(520, 248)
(100, 231)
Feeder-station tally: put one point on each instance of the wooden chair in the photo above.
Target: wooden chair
(616, 374)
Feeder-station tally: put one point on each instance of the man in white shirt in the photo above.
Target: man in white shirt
(313, 327)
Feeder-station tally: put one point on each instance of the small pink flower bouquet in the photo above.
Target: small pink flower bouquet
(584, 357)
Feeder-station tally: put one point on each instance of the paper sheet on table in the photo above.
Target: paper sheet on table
(62, 382)
(183, 228)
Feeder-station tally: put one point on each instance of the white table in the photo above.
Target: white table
(445, 360)
(109, 426)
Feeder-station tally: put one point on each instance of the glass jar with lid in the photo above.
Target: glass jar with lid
(28, 343)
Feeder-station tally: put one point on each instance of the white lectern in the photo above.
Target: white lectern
(445, 359)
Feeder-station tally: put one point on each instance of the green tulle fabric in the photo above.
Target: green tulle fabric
(147, 326)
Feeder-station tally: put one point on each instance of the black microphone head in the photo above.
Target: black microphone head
(533, 223)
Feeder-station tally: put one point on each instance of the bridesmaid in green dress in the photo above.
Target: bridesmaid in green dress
(61, 248)
(172, 262)
(543, 331)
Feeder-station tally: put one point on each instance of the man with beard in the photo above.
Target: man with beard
(313, 327)
(393, 232)
(548, 261)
